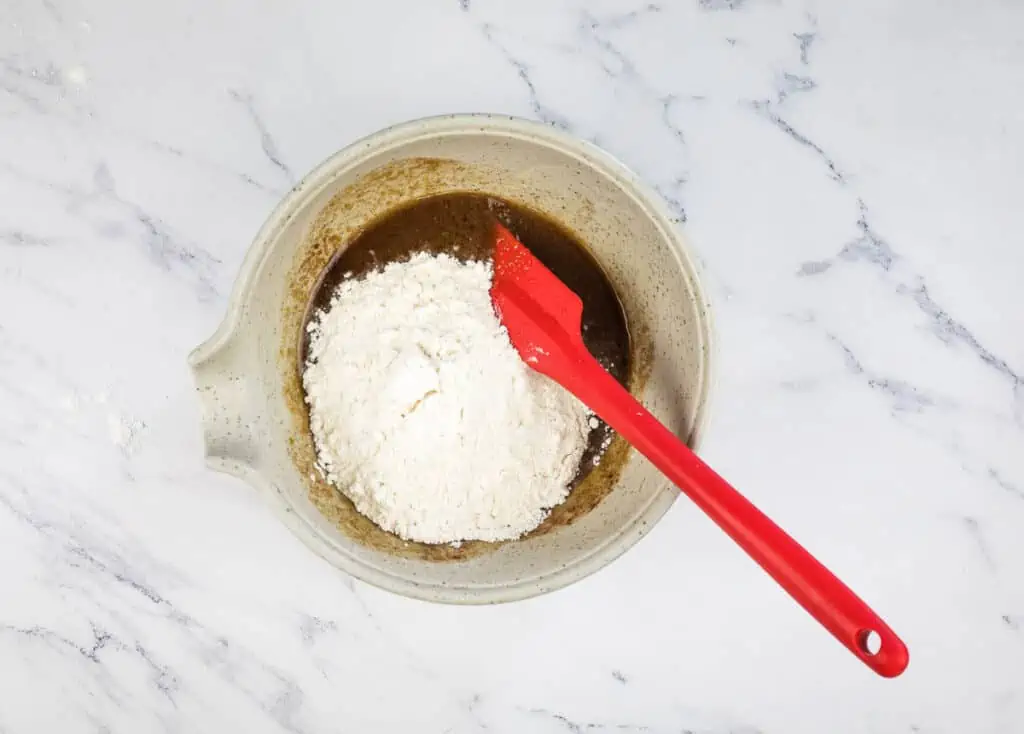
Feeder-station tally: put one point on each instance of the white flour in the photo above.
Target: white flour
(424, 414)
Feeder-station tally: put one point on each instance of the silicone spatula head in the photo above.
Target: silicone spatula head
(542, 315)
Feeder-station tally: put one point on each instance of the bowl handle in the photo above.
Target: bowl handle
(228, 392)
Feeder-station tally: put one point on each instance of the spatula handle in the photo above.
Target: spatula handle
(812, 585)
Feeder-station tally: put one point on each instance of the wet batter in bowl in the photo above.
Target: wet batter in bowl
(460, 224)
(422, 413)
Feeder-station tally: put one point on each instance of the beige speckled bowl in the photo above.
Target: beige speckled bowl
(248, 375)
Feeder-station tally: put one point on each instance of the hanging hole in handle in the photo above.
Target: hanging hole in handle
(869, 642)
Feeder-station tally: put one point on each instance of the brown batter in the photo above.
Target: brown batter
(461, 225)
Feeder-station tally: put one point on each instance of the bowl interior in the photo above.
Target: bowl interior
(570, 182)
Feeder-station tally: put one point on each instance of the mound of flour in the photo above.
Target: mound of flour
(424, 414)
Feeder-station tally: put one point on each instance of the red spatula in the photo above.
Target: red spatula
(543, 318)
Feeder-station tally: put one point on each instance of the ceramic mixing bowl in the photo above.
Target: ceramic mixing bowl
(248, 373)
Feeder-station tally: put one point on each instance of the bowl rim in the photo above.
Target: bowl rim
(403, 133)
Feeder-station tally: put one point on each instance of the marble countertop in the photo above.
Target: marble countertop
(850, 175)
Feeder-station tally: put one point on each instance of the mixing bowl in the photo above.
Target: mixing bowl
(248, 374)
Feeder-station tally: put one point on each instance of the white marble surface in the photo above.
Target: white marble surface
(851, 175)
